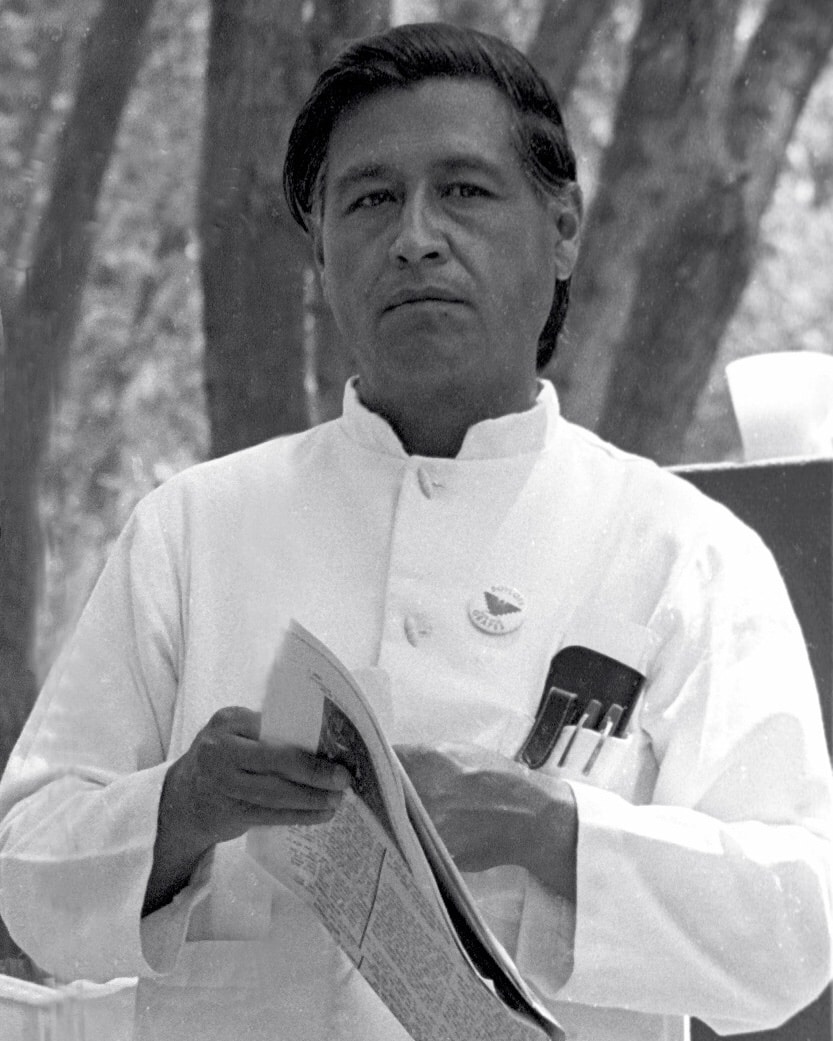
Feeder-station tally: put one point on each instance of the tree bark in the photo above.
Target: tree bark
(254, 256)
(41, 326)
(334, 23)
(670, 240)
(30, 113)
(661, 153)
(39, 333)
(562, 39)
(558, 50)
(703, 262)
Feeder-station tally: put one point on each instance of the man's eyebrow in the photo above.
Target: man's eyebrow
(362, 172)
(451, 164)
(469, 164)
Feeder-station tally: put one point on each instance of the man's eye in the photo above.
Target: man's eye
(464, 190)
(370, 200)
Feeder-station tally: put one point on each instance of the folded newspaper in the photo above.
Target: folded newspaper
(378, 874)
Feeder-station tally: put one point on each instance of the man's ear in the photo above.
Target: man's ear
(318, 253)
(567, 212)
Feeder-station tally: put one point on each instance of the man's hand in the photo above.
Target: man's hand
(228, 781)
(490, 810)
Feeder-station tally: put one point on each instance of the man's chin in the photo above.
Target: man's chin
(418, 371)
(427, 360)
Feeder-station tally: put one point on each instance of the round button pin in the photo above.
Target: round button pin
(498, 610)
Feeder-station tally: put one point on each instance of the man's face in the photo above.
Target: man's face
(437, 256)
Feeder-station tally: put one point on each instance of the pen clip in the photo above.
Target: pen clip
(556, 709)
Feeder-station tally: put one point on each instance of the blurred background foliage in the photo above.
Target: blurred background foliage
(130, 409)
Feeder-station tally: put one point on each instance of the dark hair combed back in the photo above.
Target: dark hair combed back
(405, 56)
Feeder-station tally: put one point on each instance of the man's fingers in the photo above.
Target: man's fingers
(290, 763)
(234, 719)
(256, 816)
(230, 742)
(272, 791)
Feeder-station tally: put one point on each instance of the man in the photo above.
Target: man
(431, 169)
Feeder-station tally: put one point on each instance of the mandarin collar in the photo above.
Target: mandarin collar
(512, 435)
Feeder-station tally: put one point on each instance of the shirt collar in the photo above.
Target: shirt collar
(513, 435)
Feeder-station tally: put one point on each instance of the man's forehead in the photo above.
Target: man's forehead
(464, 120)
(439, 87)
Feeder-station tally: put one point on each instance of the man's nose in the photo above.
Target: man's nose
(420, 236)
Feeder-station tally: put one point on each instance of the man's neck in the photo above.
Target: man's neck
(438, 426)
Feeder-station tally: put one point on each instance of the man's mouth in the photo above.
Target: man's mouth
(423, 295)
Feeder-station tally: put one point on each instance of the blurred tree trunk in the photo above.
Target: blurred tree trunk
(39, 332)
(335, 23)
(562, 40)
(39, 61)
(253, 256)
(669, 243)
(35, 72)
(558, 50)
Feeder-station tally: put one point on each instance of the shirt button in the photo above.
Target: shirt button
(427, 483)
(417, 627)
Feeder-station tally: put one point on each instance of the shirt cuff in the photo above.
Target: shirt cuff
(545, 940)
(602, 900)
(163, 931)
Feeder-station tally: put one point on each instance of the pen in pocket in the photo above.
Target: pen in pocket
(588, 718)
(609, 725)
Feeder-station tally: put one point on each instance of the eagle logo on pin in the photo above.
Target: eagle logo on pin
(498, 610)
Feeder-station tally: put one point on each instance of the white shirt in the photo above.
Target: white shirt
(710, 898)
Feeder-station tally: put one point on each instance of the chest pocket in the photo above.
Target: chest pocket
(587, 727)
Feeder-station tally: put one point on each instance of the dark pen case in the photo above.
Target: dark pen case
(589, 675)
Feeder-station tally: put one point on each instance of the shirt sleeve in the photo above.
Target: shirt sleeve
(80, 795)
(715, 899)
